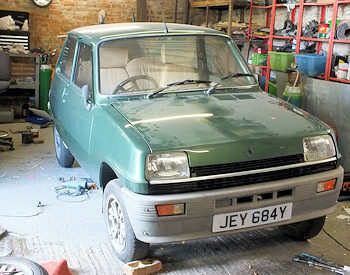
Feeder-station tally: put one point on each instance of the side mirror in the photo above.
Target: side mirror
(86, 97)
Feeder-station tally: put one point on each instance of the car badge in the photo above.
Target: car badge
(249, 153)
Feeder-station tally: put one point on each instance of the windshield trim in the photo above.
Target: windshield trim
(182, 91)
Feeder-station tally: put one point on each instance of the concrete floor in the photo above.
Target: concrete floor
(75, 230)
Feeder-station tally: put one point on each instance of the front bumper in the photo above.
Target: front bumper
(202, 206)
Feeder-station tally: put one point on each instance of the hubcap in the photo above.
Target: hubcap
(9, 269)
(116, 224)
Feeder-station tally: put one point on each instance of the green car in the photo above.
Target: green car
(169, 121)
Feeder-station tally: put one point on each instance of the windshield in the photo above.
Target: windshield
(145, 64)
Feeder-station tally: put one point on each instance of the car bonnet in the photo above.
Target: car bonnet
(220, 126)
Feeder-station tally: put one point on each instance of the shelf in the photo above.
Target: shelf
(305, 4)
(274, 36)
(339, 80)
(21, 62)
(261, 7)
(324, 40)
(318, 4)
(335, 79)
(284, 5)
(260, 36)
(297, 5)
(219, 4)
(341, 41)
(24, 86)
(329, 8)
(23, 55)
(259, 66)
(204, 4)
(283, 37)
(314, 39)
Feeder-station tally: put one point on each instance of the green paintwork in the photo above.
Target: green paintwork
(220, 128)
(212, 129)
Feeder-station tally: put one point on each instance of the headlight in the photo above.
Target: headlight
(166, 166)
(318, 148)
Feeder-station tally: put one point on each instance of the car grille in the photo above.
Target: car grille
(218, 183)
(245, 166)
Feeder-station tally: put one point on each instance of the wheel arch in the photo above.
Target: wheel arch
(106, 175)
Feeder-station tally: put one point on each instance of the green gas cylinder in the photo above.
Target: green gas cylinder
(44, 86)
(294, 94)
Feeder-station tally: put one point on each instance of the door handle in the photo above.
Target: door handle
(63, 94)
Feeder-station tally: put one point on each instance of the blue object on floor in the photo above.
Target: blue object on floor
(38, 119)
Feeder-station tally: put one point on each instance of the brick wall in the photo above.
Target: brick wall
(158, 10)
(64, 15)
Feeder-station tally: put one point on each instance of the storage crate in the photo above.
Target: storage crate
(272, 88)
(259, 59)
(311, 64)
(280, 60)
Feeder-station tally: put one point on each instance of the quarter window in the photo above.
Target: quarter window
(68, 56)
(83, 68)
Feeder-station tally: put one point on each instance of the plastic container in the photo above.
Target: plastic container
(294, 95)
(280, 60)
(259, 59)
(311, 64)
(272, 88)
(44, 86)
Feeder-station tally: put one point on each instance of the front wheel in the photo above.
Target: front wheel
(121, 235)
(20, 266)
(63, 155)
(302, 231)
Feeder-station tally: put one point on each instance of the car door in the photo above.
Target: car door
(60, 84)
(77, 116)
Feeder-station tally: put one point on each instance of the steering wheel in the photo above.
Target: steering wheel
(135, 87)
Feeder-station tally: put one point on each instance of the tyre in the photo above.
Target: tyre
(302, 231)
(121, 235)
(64, 157)
(20, 266)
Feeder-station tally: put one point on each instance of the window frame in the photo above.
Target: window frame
(62, 59)
(76, 64)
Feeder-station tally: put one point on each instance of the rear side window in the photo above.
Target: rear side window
(68, 56)
(83, 68)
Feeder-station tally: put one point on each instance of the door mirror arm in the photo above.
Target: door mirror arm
(86, 97)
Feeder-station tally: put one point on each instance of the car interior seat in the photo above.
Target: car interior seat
(177, 65)
(112, 68)
(149, 66)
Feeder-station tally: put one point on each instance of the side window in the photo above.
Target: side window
(68, 56)
(83, 67)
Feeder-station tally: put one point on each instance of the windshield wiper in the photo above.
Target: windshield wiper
(183, 82)
(224, 78)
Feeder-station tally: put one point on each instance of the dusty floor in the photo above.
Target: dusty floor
(75, 231)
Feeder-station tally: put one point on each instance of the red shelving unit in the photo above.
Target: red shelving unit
(270, 23)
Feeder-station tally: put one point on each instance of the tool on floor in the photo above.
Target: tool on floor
(5, 140)
(74, 187)
(78, 183)
(322, 264)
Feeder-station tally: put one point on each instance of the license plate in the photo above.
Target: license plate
(253, 217)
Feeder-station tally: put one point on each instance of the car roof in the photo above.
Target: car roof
(100, 32)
